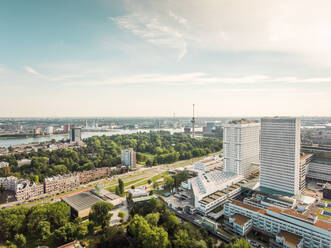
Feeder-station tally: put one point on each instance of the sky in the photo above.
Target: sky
(157, 57)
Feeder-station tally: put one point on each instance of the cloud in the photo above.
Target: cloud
(203, 79)
(155, 31)
(33, 71)
(297, 27)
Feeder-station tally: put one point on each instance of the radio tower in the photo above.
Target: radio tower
(193, 123)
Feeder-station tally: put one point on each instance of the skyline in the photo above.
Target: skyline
(154, 58)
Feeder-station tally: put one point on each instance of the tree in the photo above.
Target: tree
(169, 182)
(20, 240)
(153, 218)
(100, 215)
(117, 190)
(44, 229)
(149, 181)
(121, 214)
(114, 237)
(36, 179)
(121, 186)
(2, 188)
(147, 236)
(58, 214)
(240, 243)
(82, 230)
(66, 233)
(12, 221)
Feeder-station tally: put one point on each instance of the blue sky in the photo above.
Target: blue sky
(153, 57)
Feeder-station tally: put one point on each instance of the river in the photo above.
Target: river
(20, 141)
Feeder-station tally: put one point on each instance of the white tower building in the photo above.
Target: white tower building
(128, 158)
(241, 146)
(280, 154)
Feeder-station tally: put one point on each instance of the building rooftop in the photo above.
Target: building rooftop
(207, 183)
(290, 239)
(287, 212)
(81, 201)
(242, 121)
(244, 205)
(240, 219)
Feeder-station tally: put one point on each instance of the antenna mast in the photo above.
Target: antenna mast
(193, 123)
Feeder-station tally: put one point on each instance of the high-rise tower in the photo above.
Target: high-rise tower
(280, 154)
(241, 147)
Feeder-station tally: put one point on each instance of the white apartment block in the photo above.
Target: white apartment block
(320, 170)
(280, 154)
(305, 159)
(128, 158)
(279, 223)
(241, 146)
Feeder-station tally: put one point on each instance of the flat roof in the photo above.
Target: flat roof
(244, 205)
(291, 239)
(240, 219)
(289, 212)
(144, 198)
(81, 201)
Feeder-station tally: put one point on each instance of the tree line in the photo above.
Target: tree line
(105, 151)
(152, 224)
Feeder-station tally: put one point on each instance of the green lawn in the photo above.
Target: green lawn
(153, 179)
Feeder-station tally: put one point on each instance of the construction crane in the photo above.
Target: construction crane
(193, 123)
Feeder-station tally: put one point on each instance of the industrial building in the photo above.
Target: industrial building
(241, 147)
(280, 155)
(80, 204)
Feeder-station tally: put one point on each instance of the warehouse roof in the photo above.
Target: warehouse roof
(81, 201)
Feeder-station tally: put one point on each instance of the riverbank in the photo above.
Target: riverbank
(21, 141)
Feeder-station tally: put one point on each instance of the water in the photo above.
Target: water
(20, 141)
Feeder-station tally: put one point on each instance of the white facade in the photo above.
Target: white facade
(128, 158)
(210, 189)
(320, 170)
(241, 147)
(280, 154)
(314, 233)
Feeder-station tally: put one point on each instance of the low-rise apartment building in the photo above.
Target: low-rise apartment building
(26, 189)
(91, 175)
(61, 183)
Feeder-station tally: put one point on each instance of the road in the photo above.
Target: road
(143, 173)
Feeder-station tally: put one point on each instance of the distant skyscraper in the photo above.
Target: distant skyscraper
(75, 134)
(128, 158)
(280, 154)
(241, 146)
